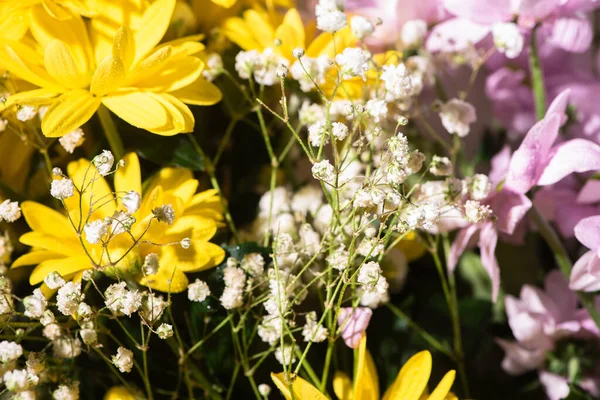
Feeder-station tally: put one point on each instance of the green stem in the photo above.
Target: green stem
(537, 77)
(562, 259)
(110, 131)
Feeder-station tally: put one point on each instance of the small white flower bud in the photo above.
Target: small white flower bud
(282, 71)
(165, 331)
(264, 389)
(131, 200)
(186, 243)
(151, 264)
(298, 52)
(104, 162)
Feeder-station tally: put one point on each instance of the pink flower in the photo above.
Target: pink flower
(537, 162)
(474, 19)
(585, 275)
(354, 323)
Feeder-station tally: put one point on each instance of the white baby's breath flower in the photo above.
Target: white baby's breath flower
(246, 62)
(131, 200)
(476, 212)
(84, 311)
(16, 380)
(324, 171)
(441, 166)
(508, 39)
(152, 307)
(9, 211)
(164, 331)
(361, 27)
(9, 351)
(95, 231)
(89, 336)
(264, 390)
(120, 222)
(457, 116)
(164, 213)
(66, 392)
(413, 32)
(397, 80)
(310, 113)
(35, 305)
(68, 298)
(119, 299)
(52, 331)
(253, 264)
(150, 266)
(329, 16)
(123, 360)
(339, 258)
(66, 347)
(317, 134)
(214, 67)
(198, 291)
(312, 330)
(62, 188)
(72, 140)
(298, 52)
(26, 113)
(339, 130)
(285, 355)
(104, 162)
(353, 62)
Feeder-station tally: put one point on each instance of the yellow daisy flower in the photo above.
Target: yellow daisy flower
(410, 384)
(258, 30)
(56, 246)
(14, 14)
(146, 84)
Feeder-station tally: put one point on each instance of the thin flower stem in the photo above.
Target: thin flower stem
(110, 131)
(562, 259)
(210, 170)
(422, 332)
(537, 76)
(326, 367)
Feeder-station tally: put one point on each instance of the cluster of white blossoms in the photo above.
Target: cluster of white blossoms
(262, 67)
(330, 17)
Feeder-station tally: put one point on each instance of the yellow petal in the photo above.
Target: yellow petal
(46, 220)
(185, 46)
(175, 74)
(61, 66)
(366, 382)
(260, 27)
(170, 179)
(167, 279)
(129, 177)
(323, 45)
(442, 389)
(239, 33)
(82, 172)
(180, 118)
(35, 257)
(225, 3)
(72, 32)
(342, 386)
(27, 64)
(69, 112)
(139, 109)
(109, 76)
(31, 97)
(301, 388)
(200, 93)
(52, 243)
(124, 46)
(152, 26)
(199, 257)
(290, 33)
(63, 266)
(56, 10)
(149, 66)
(191, 226)
(412, 378)
(14, 22)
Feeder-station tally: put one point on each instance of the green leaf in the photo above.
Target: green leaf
(175, 151)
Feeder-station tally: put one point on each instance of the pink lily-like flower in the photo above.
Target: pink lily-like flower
(564, 25)
(585, 275)
(538, 320)
(354, 323)
(537, 162)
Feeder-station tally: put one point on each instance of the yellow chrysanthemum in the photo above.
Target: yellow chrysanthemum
(57, 247)
(410, 384)
(258, 30)
(15, 14)
(119, 393)
(144, 83)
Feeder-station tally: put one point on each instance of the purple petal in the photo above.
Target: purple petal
(587, 231)
(460, 244)
(577, 155)
(572, 6)
(519, 359)
(556, 386)
(529, 159)
(557, 286)
(500, 163)
(488, 239)
(559, 105)
(568, 216)
(573, 33)
(456, 34)
(354, 323)
(526, 327)
(484, 12)
(590, 192)
(536, 10)
(585, 275)
(510, 208)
